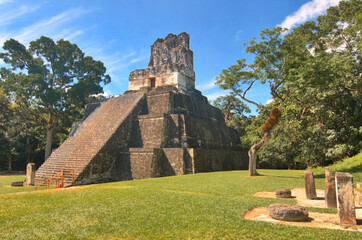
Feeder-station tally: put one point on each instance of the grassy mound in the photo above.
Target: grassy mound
(351, 165)
(200, 206)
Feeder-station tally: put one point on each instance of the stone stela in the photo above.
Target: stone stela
(310, 185)
(161, 126)
(345, 198)
(30, 174)
(330, 190)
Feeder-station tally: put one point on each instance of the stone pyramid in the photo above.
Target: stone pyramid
(161, 126)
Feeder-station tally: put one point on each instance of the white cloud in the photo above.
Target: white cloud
(213, 96)
(308, 11)
(7, 16)
(5, 1)
(238, 35)
(137, 59)
(270, 100)
(49, 27)
(206, 86)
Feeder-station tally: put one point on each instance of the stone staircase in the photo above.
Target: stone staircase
(79, 150)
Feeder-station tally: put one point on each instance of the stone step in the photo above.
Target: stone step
(79, 150)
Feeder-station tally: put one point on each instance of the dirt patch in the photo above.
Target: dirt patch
(316, 219)
(299, 194)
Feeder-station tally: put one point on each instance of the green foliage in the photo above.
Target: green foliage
(48, 84)
(200, 206)
(314, 71)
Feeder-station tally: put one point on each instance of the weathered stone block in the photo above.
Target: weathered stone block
(345, 198)
(330, 190)
(309, 185)
(17, 184)
(359, 193)
(283, 193)
(287, 212)
(30, 174)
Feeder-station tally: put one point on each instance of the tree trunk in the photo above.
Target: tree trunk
(9, 162)
(50, 127)
(253, 154)
(27, 149)
(48, 144)
(271, 122)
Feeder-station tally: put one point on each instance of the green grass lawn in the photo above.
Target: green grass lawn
(200, 206)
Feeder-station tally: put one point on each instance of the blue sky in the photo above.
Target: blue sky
(120, 32)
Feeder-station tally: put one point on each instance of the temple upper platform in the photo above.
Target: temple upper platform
(171, 63)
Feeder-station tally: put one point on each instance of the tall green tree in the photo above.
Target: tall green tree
(268, 67)
(11, 130)
(329, 81)
(56, 77)
(315, 70)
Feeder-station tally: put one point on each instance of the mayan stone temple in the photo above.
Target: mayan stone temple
(161, 126)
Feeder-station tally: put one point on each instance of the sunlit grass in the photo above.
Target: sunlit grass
(351, 165)
(5, 182)
(200, 206)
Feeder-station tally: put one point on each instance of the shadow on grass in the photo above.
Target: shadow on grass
(13, 173)
(271, 175)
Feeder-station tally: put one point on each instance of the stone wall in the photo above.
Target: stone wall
(172, 50)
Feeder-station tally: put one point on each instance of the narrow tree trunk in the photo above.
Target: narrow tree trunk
(9, 162)
(50, 127)
(48, 144)
(253, 154)
(27, 149)
(272, 121)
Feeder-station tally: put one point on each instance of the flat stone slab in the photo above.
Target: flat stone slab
(287, 212)
(283, 193)
(17, 184)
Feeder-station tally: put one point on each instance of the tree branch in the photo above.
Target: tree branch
(250, 101)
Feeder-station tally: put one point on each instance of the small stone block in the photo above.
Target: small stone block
(330, 190)
(283, 193)
(287, 212)
(345, 198)
(310, 185)
(17, 184)
(359, 198)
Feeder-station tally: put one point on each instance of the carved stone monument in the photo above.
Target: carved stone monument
(330, 190)
(309, 185)
(30, 174)
(345, 198)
